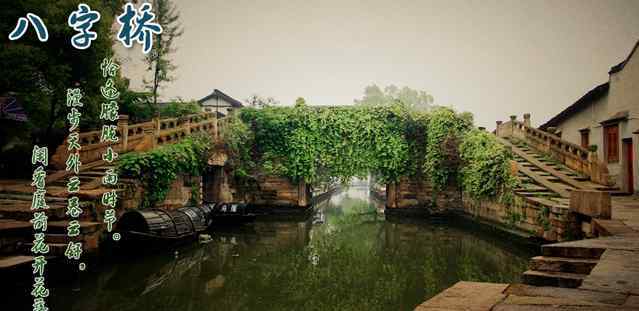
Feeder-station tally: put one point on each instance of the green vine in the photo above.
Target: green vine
(543, 218)
(160, 167)
(486, 169)
(326, 144)
(513, 218)
(321, 144)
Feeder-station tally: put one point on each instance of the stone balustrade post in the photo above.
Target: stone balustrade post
(157, 127)
(498, 128)
(186, 126)
(527, 119)
(548, 141)
(123, 125)
(303, 194)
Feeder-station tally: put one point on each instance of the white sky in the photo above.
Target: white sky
(492, 58)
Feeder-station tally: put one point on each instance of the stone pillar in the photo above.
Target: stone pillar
(513, 126)
(123, 125)
(303, 194)
(527, 119)
(592, 203)
(186, 126)
(157, 126)
(152, 133)
(216, 127)
(391, 195)
(498, 128)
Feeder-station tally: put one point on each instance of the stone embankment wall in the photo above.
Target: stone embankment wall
(534, 218)
(524, 218)
(529, 217)
(412, 195)
(272, 191)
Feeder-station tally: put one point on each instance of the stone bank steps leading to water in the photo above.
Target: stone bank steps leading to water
(562, 265)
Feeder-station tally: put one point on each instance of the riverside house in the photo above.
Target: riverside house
(220, 103)
(607, 118)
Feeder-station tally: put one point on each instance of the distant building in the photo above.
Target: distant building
(220, 103)
(608, 117)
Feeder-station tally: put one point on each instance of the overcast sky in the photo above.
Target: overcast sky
(492, 58)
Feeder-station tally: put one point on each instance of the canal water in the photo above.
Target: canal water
(346, 256)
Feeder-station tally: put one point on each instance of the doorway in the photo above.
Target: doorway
(629, 164)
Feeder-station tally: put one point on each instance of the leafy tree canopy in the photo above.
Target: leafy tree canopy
(326, 144)
(413, 99)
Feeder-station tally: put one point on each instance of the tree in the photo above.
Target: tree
(258, 101)
(158, 60)
(39, 73)
(374, 96)
(300, 101)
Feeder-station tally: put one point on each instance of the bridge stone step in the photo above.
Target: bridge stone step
(537, 194)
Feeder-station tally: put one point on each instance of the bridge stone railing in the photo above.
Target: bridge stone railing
(572, 155)
(138, 136)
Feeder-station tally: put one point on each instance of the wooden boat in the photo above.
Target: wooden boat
(156, 225)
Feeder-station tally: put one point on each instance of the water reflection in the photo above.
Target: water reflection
(344, 257)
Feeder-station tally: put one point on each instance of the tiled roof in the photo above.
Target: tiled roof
(620, 66)
(219, 94)
(583, 102)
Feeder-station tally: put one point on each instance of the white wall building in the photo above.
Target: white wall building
(608, 117)
(219, 102)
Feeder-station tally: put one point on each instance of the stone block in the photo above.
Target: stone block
(467, 296)
(591, 203)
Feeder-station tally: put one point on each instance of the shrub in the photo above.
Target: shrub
(158, 168)
(485, 170)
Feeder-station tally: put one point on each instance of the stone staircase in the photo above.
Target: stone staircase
(546, 182)
(16, 233)
(562, 265)
(542, 176)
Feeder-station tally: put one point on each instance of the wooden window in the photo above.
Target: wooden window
(585, 139)
(611, 140)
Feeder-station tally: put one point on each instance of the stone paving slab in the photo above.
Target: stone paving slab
(617, 271)
(612, 227)
(560, 308)
(632, 301)
(12, 261)
(615, 242)
(471, 296)
(571, 293)
(626, 209)
(550, 301)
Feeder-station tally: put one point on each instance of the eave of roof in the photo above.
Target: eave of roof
(219, 94)
(583, 102)
(616, 118)
(621, 65)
